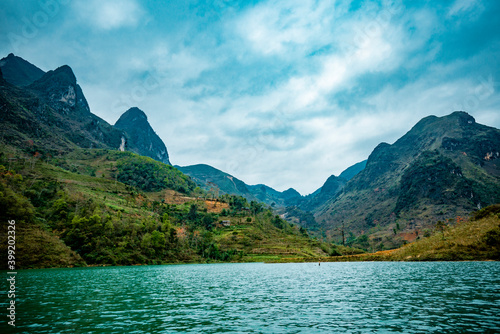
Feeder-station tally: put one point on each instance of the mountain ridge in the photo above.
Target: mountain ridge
(211, 178)
(18, 71)
(452, 151)
(52, 105)
(442, 168)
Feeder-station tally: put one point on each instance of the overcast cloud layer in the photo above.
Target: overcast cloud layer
(284, 93)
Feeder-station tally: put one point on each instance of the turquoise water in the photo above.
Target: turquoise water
(375, 297)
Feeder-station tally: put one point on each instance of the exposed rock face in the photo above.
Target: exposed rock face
(54, 106)
(442, 168)
(52, 110)
(60, 90)
(140, 136)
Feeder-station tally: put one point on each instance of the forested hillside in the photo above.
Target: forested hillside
(101, 207)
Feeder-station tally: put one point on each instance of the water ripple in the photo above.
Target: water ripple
(263, 298)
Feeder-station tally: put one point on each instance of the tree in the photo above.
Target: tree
(440, 227)
(192, 214)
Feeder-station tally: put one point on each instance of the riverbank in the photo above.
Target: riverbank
(473, 240)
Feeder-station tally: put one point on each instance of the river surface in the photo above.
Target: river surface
(369, 297)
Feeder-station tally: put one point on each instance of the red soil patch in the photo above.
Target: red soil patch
(216, 206)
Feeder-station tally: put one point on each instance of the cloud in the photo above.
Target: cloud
(465, 8)
(109, 14)
(277, 27)
(283, 93)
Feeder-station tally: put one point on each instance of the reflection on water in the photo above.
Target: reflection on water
(269, 298)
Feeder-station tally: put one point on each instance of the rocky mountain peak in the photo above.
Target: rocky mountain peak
(18, 71)
(140, 136)
(61, 91)
(133, 115)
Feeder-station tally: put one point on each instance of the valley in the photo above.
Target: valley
(84, 192)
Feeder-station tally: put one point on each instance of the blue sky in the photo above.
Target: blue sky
(284, 93)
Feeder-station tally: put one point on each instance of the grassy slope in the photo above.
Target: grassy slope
(474, 240)
(88, 176)
(260, 241)
(253, 237)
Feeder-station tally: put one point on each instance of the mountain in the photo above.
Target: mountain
(52, 115)
(59, 89)
(330, 189)
(18, 71)
(140, 136)
(273, 197)
(213, 179)
(78, 199)
(443, 168)
(48, 113)
(352, 171)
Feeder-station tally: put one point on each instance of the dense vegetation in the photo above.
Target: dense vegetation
(100, 207)
(149, 175)
(477, 238)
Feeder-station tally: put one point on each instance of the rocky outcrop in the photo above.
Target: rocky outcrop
(140, 137)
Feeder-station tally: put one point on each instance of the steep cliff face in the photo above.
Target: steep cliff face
(59, 89)
(44, 105)
(140, 137)
(442, 168)
(53, 114)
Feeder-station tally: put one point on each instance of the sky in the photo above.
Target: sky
(284, 93)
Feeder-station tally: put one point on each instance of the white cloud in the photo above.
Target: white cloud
(278, 27)
(310, 115)
(109, 14)
(466, 7)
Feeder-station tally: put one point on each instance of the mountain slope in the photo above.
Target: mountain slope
(303, 205)
(329, 190)
(111, 207)
(213, 179)
(140, 136)
(54, 107)
(442, 168)
(18, 71)
(352, 171)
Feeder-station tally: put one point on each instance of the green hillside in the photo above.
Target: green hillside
(475, 239)
(443, 168)
(101, 207)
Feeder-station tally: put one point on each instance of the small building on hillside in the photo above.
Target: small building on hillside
(223, 223)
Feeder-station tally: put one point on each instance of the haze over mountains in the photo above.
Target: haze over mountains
(442, 168)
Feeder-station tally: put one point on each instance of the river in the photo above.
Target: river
(367, 297)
